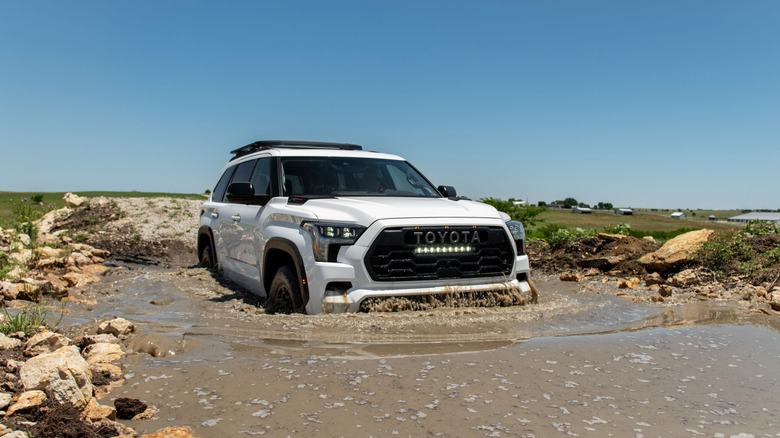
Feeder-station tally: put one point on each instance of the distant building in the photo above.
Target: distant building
(678, 215)
(520, 203)
(582, 210)
(712, 218)
(555, 205)
(763, 217)
(626, 211)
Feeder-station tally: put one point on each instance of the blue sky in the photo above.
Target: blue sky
(663, 104)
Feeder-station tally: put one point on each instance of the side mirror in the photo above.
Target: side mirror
(244, 193)
(448, 192)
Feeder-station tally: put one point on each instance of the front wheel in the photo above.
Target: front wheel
(284, 296)
(207, 258)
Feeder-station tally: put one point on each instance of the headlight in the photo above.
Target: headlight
(518, 233)
(327, 238)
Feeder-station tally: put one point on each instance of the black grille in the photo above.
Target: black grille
(393, 256)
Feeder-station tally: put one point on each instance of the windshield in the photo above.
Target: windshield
(337, 176)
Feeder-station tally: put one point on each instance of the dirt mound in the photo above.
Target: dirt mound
(607, 253)
(158, 231)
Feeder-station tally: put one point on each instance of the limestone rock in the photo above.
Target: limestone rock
(7, 343)
(103, 353)
(112, 428)
(45, 342)
(75, 279)
(631, 283)
(27, 400)
(675, 251)
(16, 434)
(650, 239)
(171, 432)
(45, 252)
(665, 291)
(9, 290)
(571, 276)
(684, 278)
(5, 400)
(116, 327)
(96, 412)
(86, 340)
(74, 201)
(79, 259)
(774, 300)
(64, 375)
(654, 278)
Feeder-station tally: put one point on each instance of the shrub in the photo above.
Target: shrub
(29, 320)
(522, 213)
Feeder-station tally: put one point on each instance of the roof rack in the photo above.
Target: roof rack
(291, 144)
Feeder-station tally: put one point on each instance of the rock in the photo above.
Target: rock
(571, 276)
(127, 408)
(116, 327)
(774, 300)
(611, 237)
(591, 272)
(23, 257)
(631, 283)
(95, 269)
(16, 434)
(78, 259)
(171, 432)
(676, 251)
(27, 400)
(650, 239)
(665, 291)
(75, 279)
(90, 251)
(106, 427)
(45, 252)
(9, 290)
(96, 412)
(7, 343)
(107, 371)
(86, 340)
(24, 239)
(74, 201)
(684, 278)
(64, 376)
(5, 400)
(59, 288)
(654, 278)
(103, 353)
(603, 263)
(45, 342)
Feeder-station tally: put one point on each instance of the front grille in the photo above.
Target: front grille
(396, 253)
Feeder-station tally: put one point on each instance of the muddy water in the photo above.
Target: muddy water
(582, 364)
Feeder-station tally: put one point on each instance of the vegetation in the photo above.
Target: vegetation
(526, 214)
(29, 320)
(743, 252)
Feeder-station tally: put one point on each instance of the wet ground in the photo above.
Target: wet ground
(580, 364)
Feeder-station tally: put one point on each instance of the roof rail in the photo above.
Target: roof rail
(291, 144)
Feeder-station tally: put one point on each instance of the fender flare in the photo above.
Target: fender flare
(288, 247)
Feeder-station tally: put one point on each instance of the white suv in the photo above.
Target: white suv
(327, 227)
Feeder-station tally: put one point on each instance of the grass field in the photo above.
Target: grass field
(642, 219)
(55, 198)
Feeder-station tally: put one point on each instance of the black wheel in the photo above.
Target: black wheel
(207, 258)
(284, 295)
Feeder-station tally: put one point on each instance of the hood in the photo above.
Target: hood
(367, 210)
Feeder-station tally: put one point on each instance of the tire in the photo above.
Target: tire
(207, 258)
(284, 296)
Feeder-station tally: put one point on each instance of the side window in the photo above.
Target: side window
(243, 171)
(219, 190)
(261, 177)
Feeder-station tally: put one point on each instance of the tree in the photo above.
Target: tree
(604, 206)
(542, 204)
(569, 202)
(584, 205)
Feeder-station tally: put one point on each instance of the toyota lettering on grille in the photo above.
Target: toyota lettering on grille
(446, 237)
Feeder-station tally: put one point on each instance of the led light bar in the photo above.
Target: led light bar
(444, 249)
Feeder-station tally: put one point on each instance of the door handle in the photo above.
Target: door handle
(236, 218)
(214, 215)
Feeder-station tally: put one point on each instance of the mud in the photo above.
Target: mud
(582, 361)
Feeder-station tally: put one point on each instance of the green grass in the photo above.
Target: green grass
(55, 198)
(644, 220)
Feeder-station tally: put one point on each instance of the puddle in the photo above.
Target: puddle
(584, 364)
